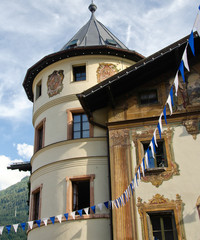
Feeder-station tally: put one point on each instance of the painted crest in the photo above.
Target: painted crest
(106, 70)
(54, 83)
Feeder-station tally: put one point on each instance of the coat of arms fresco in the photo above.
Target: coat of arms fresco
(106, 70)
(54, 83)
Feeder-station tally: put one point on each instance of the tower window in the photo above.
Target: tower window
(39, 136)
(38, 89)
(81, 194)
(79, 73)
(148, 97)
(81, 127)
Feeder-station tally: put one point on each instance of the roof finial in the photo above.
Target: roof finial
(92, 7)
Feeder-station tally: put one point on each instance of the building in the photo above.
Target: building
(70, 169)
(96, 106)
(165, 205)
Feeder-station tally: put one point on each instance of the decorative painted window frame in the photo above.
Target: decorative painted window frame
(70, 113)
(69, 181)
(36, 190)
(37, 87)
(160, 204)
(158, 175)
(36, 141)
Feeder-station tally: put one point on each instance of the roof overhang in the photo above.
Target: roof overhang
(73, 52)
(106, 92)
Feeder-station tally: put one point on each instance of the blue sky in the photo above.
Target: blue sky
(30, 30)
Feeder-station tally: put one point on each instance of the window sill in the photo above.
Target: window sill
(154, 171)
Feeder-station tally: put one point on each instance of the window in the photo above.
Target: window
(39, 89)
(111, 42)
(161, 218)
(148, 97)
(80, 126)
(160, 155)
(39, 136)
(80, 192)
(36, 203)
(163, 167)
(73, 43)
(79, 73)
(163, 225)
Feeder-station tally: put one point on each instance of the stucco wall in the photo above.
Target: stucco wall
(186, 155)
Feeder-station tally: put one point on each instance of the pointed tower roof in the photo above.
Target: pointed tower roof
(93, 33)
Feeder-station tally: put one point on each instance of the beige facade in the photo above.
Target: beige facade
(60, 158)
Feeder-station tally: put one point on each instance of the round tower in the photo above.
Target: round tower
(70, 163)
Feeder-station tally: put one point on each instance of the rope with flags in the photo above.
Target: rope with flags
(126, 195)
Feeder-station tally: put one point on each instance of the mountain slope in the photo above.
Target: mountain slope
(14, 209)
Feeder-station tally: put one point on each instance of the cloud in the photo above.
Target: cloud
(9, 177)
(25, 151)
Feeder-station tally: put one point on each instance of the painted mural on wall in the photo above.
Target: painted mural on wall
(188, 93)
(106, 70)
(55, 83)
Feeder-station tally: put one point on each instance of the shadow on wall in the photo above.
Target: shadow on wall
(77, 235)
(191, 217)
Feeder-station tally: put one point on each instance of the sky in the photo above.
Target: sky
(32, 29)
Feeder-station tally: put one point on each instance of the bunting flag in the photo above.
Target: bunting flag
(155, 138)
(15, 226)
(52, 219)
(59, 217)
(152, 148)
(136, 182)
(122, 199)
(131, 186)
(8, 227)
(38, 222)
(100, 206)
(146, 160)
(129, 192)
(73, 214)
(143, 167)
(23, 225)
(160, 128)
(171, 95)
(119, 201)
(80, 212)
(169, 102)
(139, 175)
(164, 113)
(93, 208)
(176, 85)
(191, 42)
(66, 215)
(197, 24)
(30, 224)
(86, 210)
(45, 220)
(107, 204)
(181, 69)
(185, 59)
(1, 229)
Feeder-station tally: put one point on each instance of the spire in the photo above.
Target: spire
(93, 33)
